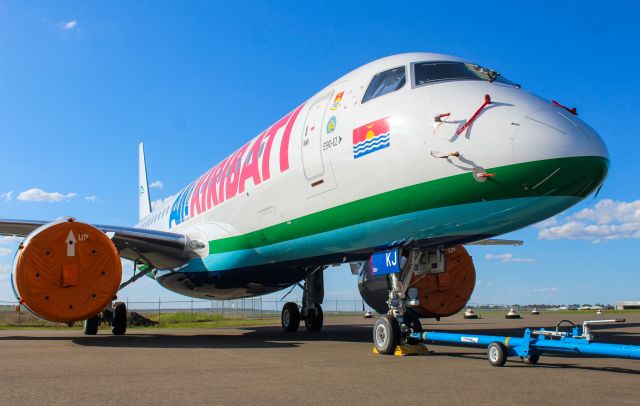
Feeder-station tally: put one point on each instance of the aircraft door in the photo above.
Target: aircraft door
(312, 139)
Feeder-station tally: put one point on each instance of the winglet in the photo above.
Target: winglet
(144, 201)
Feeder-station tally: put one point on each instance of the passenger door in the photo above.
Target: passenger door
(316, 162)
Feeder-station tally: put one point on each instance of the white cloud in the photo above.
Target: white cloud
(9, 239)
(5, 251)
(157, 203)
(607, 220)
(6, 196)
(39, 195)
(69, 25)
(507, 258)
(92, 198)
(156, 185)
(5, 270)
(547, 223)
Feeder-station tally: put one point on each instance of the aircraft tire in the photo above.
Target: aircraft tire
(496, 354)
(119, 319)
(290, 317)
(314, 320)
(90, 326)
(386, 334)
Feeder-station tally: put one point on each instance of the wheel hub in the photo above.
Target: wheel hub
(493, 354)
(381, 335)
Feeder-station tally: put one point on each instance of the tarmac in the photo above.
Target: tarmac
(264, 365)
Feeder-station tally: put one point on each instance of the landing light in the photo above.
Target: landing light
(196, 245)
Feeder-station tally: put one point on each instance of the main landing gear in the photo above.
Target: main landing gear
(115, 316)
(311, 311)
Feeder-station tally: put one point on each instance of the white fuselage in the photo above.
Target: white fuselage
(308, 165)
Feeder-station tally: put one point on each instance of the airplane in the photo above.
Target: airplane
(391, 169)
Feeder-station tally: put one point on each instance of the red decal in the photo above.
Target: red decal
(251, 169)
(233, 175)
(284, 145)
(371, 130)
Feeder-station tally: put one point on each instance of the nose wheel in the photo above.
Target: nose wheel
(386, 334)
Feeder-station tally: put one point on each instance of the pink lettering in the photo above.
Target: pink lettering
(284, 145)
(271, 134)
(233, 175)
(251, 169)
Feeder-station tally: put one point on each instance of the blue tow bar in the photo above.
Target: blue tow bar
(577, 341)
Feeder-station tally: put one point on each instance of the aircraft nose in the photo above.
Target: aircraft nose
(552, 134)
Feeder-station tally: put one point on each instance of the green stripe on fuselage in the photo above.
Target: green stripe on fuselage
(575, 176)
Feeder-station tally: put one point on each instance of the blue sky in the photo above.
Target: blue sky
(81, 83)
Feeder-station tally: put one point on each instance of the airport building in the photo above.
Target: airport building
(628, 304)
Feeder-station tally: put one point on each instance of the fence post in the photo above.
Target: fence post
(192, 310)
(158, 312)
(336, 306)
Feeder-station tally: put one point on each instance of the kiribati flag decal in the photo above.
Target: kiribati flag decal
(371, 137)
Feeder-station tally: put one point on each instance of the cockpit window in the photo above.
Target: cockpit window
(429, 72)
(385, 82)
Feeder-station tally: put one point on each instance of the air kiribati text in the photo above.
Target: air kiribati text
(229, 177)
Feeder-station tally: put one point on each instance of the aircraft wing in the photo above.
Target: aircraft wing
(158, 249)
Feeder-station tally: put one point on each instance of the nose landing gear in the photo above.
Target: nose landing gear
(397, 326)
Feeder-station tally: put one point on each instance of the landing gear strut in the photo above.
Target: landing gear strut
(395, 327)
(311, 311)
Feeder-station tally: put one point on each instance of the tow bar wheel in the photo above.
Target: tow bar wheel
(497, 354)
(386, 334)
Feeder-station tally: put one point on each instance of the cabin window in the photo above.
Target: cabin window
(385, 82)
(429, 72)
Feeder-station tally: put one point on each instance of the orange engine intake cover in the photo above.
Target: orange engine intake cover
(67, 271)
(446, 293)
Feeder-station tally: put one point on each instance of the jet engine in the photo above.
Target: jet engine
(441, 292)
(66, 271)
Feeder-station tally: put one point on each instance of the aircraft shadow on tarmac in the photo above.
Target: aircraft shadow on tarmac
(249, 337)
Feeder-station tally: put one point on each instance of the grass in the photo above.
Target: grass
(27, 321)
(203, 320)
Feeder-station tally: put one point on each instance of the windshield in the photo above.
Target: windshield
(428, 72)
(385, 82)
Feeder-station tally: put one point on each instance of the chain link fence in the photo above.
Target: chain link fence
(193, 311)
(165, 312)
